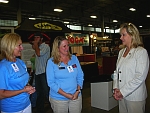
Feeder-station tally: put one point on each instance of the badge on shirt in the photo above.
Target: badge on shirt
(61, 67)
(74, 66)
(15, 67)
(70, 69)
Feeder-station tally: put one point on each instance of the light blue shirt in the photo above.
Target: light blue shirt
(59, 77)
(40, 62)
(14, 76)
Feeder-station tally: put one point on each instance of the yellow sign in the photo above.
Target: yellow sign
(45, 25)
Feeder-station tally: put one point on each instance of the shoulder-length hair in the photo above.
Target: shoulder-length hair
(55, 49)
(8, 44)
(134, 33)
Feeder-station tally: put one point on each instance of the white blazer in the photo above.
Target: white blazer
(130, 74)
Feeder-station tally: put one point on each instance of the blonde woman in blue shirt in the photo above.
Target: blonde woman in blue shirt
(65, 78)
(14, 88)
(131, 71)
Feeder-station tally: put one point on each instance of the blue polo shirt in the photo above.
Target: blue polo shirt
(59, 76)
(14, 76)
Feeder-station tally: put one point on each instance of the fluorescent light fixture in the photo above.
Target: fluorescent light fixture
(93, 16)
(4, 1)
(89, 25)
(106, 27)
(115, 21)
(140, 26)
(32, 18)
(58, 10)
(147, 15)
(66, 22)
(132, 9)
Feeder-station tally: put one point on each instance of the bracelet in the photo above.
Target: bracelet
(78, 90)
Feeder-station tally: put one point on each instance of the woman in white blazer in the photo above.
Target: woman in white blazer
(131, 71)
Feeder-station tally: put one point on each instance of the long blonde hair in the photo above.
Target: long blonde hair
(55, 49)
(8, 44)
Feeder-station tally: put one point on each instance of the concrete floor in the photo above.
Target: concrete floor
(86, 94)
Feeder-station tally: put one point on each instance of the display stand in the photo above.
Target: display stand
(102, 96)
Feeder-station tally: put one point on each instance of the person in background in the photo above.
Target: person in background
(42, 53)
(32, 70)
(33, 97)
(131, 71)
(65, 78)
(14, 88)
(0, 106)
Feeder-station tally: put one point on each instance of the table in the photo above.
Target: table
(102, 96)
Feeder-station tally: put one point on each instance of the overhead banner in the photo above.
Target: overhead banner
(78, 39)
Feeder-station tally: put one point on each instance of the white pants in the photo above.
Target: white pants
(126, 106)
(26, 110)
(70, 106)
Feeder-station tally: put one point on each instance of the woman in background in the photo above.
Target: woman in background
(14, 88)
(131, 71)
(65, 78)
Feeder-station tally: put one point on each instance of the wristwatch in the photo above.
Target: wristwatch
(78, 90)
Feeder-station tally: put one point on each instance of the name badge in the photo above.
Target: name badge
(61, 67)
(70, 69)
(15, 67)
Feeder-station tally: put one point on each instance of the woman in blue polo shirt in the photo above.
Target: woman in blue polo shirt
(14, 91)
(65, 78)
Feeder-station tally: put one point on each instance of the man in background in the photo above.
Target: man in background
(42, 53)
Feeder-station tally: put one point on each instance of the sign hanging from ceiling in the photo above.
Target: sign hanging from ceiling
(78, 39)
(44, 26)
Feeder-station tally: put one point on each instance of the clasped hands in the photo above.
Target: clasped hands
(29, 89)
(73, 96)
(117, 94)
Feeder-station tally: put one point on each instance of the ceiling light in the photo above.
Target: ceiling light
(4, 1)
(132, 9)
(32, 18)
(140, 26)
(89, 25)
(115, 21)
(147, 15)
(58, 10)
(66, 22)
(106, 27)
(93, 16)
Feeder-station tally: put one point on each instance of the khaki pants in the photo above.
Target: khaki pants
(126, 106)
(70, 106)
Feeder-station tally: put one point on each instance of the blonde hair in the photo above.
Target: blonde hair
(55, 50)
(134, 33)
(8, 44)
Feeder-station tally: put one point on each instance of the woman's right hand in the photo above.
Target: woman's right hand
(117, 94)
(70, 96)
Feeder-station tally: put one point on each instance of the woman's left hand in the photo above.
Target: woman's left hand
(30, 89)
(75, 95)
